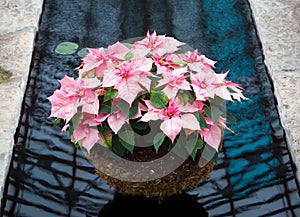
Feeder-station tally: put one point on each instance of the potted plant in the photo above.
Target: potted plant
(149, 113)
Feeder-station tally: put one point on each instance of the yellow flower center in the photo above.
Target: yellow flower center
(203, 85)
(170, 114)
(81, 93)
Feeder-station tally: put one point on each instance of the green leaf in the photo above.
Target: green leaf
(217, 100)
(202, 120)
(126, 138)
(231, 90)
(213, 113)
(215, 158)
(110, 94)
(78, 144)
(193, 146)
(209, 153)
(179, 51)
(207, 111)
(158, 140)
(185, 98)
(104, 127)
(71, 128)
(66, 48)
(230, 118)
(107, 139)
(106, 107)
(57, 121)
(128, 56)
(127, 145)
(83, 52)
(76, 120)
(117, 148)
(179, 62)
(178, 147)
(138, 125)
(124, 107)
(133, 109)
(159, 99)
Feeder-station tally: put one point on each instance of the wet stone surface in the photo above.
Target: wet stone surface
(18, 26)
(278, 29)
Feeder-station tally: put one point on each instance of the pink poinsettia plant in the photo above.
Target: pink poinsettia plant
(152, 79)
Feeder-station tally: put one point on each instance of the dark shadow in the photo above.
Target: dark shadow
(141, 206)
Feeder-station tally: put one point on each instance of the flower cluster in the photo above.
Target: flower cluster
(132, 84)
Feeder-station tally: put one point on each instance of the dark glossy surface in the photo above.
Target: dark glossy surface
(254, 175)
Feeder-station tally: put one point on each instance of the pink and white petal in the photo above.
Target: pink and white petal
(162, 51)
(171, 127)
(171, 91)
(207, 61)
(118, 50)
(223, 93)
(89, 119)
(90, 108)
(91, 139)
(142, 107)
(189, 121)
(100, 70)
(91, 83)
(129, 90)
(185, 107)
(152, 108)
(221, 77)
(200, 93)
(140, 52)
(213, 137)
(80, 132)
(115, 123)
(199, 105)
(65, 127)
(185, 85)
(145, 82)
(100, 118)
(165, 80)
(150, 115)
(172, 42)
(67, 81)
(188, 108)
(144, 64)
(91, 65)
(199, 67)
(110, 79)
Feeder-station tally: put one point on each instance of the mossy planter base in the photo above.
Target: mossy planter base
(134, 179)
(179, 181)
(175, 174)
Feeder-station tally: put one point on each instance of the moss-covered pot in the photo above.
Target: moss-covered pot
(130, 176)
